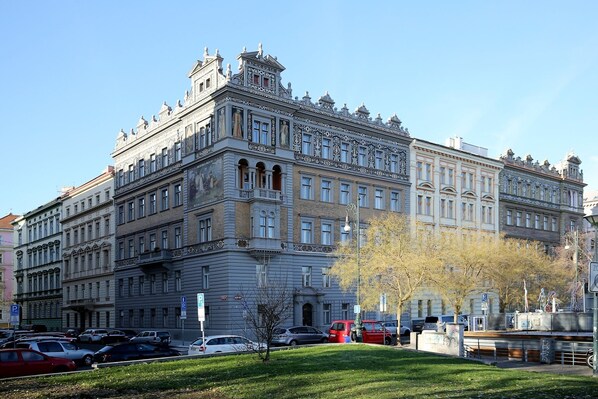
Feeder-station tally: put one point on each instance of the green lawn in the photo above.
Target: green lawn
(327, 371)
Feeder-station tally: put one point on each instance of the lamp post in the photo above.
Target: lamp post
(593, 220)
(354, 209)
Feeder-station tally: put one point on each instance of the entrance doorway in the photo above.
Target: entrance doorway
(307, 314)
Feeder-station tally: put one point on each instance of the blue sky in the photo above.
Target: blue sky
(501, 74)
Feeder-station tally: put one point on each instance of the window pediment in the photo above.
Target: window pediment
(469, 194)
(488, 197)
(448, 190)
(425, 185)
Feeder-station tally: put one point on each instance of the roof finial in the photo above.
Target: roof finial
(205, 52)
(260, 51)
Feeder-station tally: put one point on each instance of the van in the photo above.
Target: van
(432, 322)
(343, 331)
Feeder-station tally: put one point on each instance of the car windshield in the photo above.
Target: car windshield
(197, 342)
(279, 331)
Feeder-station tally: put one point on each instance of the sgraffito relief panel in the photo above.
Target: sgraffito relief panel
(205, 183)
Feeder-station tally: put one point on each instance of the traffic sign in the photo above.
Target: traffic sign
(593, 281)
(14, 314)
(183, 308)
(484, 297)
(201, 312)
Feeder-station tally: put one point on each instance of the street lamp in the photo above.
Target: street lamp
(592, 219)
(354, 209)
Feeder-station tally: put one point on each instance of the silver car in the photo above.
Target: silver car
(63, 349)
(298, 335)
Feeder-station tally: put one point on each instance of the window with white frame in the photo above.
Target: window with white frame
(261, 273)
(344, 234)
(545, 226)
(518, 218)
(130, 177)
(306, 144)
(509, 217)
(554, 224)
(379, 198)
(326, 233)
(141, 244)
(266, 224)
(178, 195)
(261, 131)
(178, 239)
(306, 276)
(306, 187)
(141, 167)
(306, 232)
(394, 163)
(152, 163)
(164, 204)
(152, 241)
(205, 229)
(152, 204)
(164, 157)
(326, 144)
(326, 191)
(164, 239)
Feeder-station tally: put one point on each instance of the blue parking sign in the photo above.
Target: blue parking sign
(14, 314)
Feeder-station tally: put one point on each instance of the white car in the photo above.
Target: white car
(222, 344)
(93, 335)
(391, 326)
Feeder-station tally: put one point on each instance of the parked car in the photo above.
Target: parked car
(62, 349)
(93, 335)
(391, 325)
(417, 325)
(114, 336)
(19, 362)
(372, 332)
(153, 337)
(132, 351)
(222, 344)
(298, 335)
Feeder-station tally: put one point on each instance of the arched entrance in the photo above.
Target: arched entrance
(307, 314)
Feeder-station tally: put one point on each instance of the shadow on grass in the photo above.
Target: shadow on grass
(327, 371)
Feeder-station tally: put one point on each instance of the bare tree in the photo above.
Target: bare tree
(265, 308)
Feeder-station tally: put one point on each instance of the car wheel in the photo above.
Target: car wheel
(407, 332)
(353, 337)
(293, 343)
(590, 359)
(387, 341)
(324, 340)
(87, 360)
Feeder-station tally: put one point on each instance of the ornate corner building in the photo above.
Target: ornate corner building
(540, 202)
(240, 183)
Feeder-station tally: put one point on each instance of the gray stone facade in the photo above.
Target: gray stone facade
(263, 183)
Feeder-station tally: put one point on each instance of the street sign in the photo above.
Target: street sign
(484, 297)
(183, 308)
(356, 309)
(383, 302)
(593, 281)
(14, 314)
(201, 312)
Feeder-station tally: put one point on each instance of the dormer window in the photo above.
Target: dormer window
(208, 83)
(200, 87)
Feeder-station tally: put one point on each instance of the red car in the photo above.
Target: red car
(18, 362)
(372, 332)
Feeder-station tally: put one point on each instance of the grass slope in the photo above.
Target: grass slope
(327, 371)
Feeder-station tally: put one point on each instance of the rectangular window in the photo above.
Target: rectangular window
(394, 163)
(537, 222)
(178, 239)
(428, 172)
(121, 218)
(164, 317)
(152, 163)
(395, 201)
(205, 277)
(528, 220)
(164, 199)
(379, 199)
(345, 311)
(130, 214)
(518, 219)
(363, 196)
(261, 274)
(306, 144)
(131, 177)
(131, 247)
(177, 281)
(428, 204)
(164, 157)
(326, 234)
(326, 313)
(326, 191)
(326, 153)
(326, 277)
(419, 170)
(379, 160)
(344, 234)
(141, 285)
(152, 204)
(442, 175)
(261, 132)
(141, 167)
(306, 187)
(178, 195)
(152, 283)
(306, 276)
(420, 204)
(509, 217)
(141, 207)
(165, 282)
(164, 239)
(554, 225)
(545, 226)
(362, 156)
(177, 151)
(306, 232)
(152, 241)
(345, 194)
(205, 230)
(345, 153)
(130, 286)
(141, 242)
